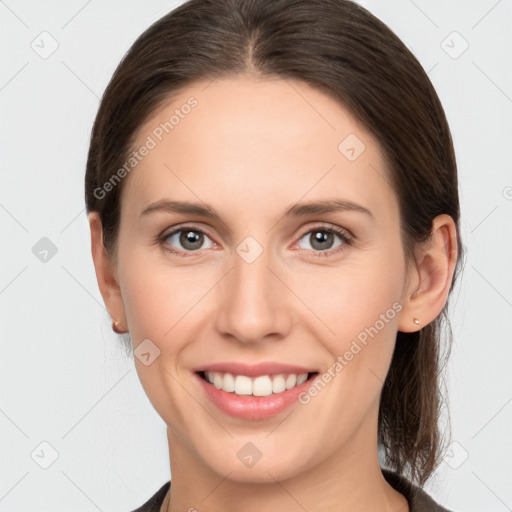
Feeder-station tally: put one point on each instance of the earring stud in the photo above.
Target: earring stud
(416, 321)
(116, 327)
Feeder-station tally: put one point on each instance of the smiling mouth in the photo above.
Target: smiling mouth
(262, 385)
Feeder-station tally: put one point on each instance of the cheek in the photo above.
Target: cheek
(156, 299)
(159, 307)
(359, 306)
(363, 317)
(352, 297)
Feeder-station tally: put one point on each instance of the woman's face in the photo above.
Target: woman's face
(255, 284)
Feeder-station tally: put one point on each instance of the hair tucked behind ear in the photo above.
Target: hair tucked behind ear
(343, 50)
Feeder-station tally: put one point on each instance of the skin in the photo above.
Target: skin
(250, 149)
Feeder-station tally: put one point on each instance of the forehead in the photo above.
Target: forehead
(256, 143)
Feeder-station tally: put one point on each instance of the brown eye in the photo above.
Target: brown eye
(186, 240)
(323, 240)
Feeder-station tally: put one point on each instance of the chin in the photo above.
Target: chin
(250, 465)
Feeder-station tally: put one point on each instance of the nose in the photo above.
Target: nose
(254, 304)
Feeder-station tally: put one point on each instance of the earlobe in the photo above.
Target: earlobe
(105, 272)
(436, 260)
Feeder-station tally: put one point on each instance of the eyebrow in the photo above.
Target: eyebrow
(296, 210)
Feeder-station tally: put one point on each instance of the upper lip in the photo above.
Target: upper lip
(253, 370)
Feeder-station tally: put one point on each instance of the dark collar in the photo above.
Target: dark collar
(418, 499)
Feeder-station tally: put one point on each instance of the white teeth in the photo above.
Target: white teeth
(264, 385)
(228, 384)
(217, 380)
(278, 384)
(243, 385)
(301, 378)
(291, 380)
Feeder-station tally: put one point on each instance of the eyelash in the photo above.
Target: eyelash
(344, 235)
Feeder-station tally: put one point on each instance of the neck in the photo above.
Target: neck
(348, 480)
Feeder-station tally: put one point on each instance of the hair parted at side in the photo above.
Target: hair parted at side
(340, 48)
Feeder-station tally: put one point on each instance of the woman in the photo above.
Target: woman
(272, 196)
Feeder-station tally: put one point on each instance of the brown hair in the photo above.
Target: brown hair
(339, 48)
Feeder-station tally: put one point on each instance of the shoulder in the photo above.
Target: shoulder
(155, 502)
(419, 500)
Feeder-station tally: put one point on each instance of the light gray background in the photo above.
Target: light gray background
(65, 380)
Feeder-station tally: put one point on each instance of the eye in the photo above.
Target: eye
(190, 238)
(321, 240)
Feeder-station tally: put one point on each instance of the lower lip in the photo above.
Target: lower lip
(250, 407)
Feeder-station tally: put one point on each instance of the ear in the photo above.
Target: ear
(430, 277)
(105, 273)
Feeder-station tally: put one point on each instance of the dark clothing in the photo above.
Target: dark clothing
(419, 500)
